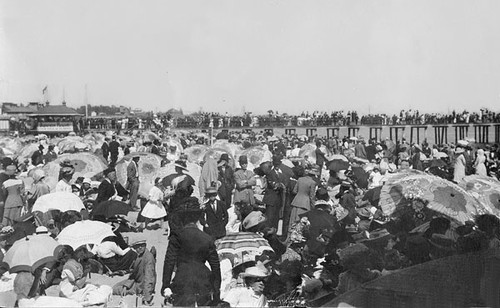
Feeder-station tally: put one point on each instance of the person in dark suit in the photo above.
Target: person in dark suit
(215, 217)
(188, 250)
(113, 150)
(110, 188)
(105, 149)
(226, 177)
(277, 195)
(37, 156)
(133, 180)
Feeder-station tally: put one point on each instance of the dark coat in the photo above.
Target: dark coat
(143, 274)
(215, 222)
(272, 196)
(189, 250)
(37, 158)
(320, 221)
(226, 178)
(107, 190)
(105, 150)
(113, 147)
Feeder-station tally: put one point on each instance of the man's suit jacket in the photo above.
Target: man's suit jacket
(272, 196)
(216, 221)
(226, 177)
(132, 173)
(189, 250)
(113, 147)
(105, 150)
(107, 190)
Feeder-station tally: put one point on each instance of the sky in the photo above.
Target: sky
(240, 56)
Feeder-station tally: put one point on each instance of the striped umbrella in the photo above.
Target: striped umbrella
(236, 243)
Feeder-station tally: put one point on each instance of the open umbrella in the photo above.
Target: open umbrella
(337, 156)
(30, 252)
(196, 153)
(111, 208)
(150, 136)
(437, 194)
(62, 201)
(215, 153)
(255, 156)
(86, 165)
(149, 164)
(222, 135)
(84, 232)
(310, 150)
(194, 170)
(337, 165)
(27, 151)
(230, 147)
(485, 189)
(235, 243)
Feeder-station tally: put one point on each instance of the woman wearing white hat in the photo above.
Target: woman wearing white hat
(459, 171)
(38, 189)
(479, 163)
(252, 294)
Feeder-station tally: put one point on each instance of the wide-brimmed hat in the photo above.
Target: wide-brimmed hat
(459, 150)
(41, 230)
(243, 160)
(255, 272)
(364, 212)
(314, 170)
(276, 159)
(75, 268)
(108, 171)
(38, 174)
(67, 170)
(377, 236)
(138, 241)
(180, 164)
(224, 157)
(417, 146)
(253, 219)
(352, 250)
(211, 191)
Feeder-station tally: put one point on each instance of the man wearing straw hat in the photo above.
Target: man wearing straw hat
(215, 217)
(142, 279)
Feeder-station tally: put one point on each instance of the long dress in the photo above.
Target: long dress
(154, 209)
(13, 189)
(305, 190)
(480, 166)
(63, 186)
(459, 172)
(37, 190)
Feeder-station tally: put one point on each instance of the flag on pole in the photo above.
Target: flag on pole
(44, 90)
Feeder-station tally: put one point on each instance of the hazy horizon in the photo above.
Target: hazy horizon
(253, 55)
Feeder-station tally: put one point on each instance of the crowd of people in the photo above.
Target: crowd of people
(316, 209)
(207, 120)
(334, 118)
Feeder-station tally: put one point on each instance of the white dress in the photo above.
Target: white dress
(154, 209)
(62, 186)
